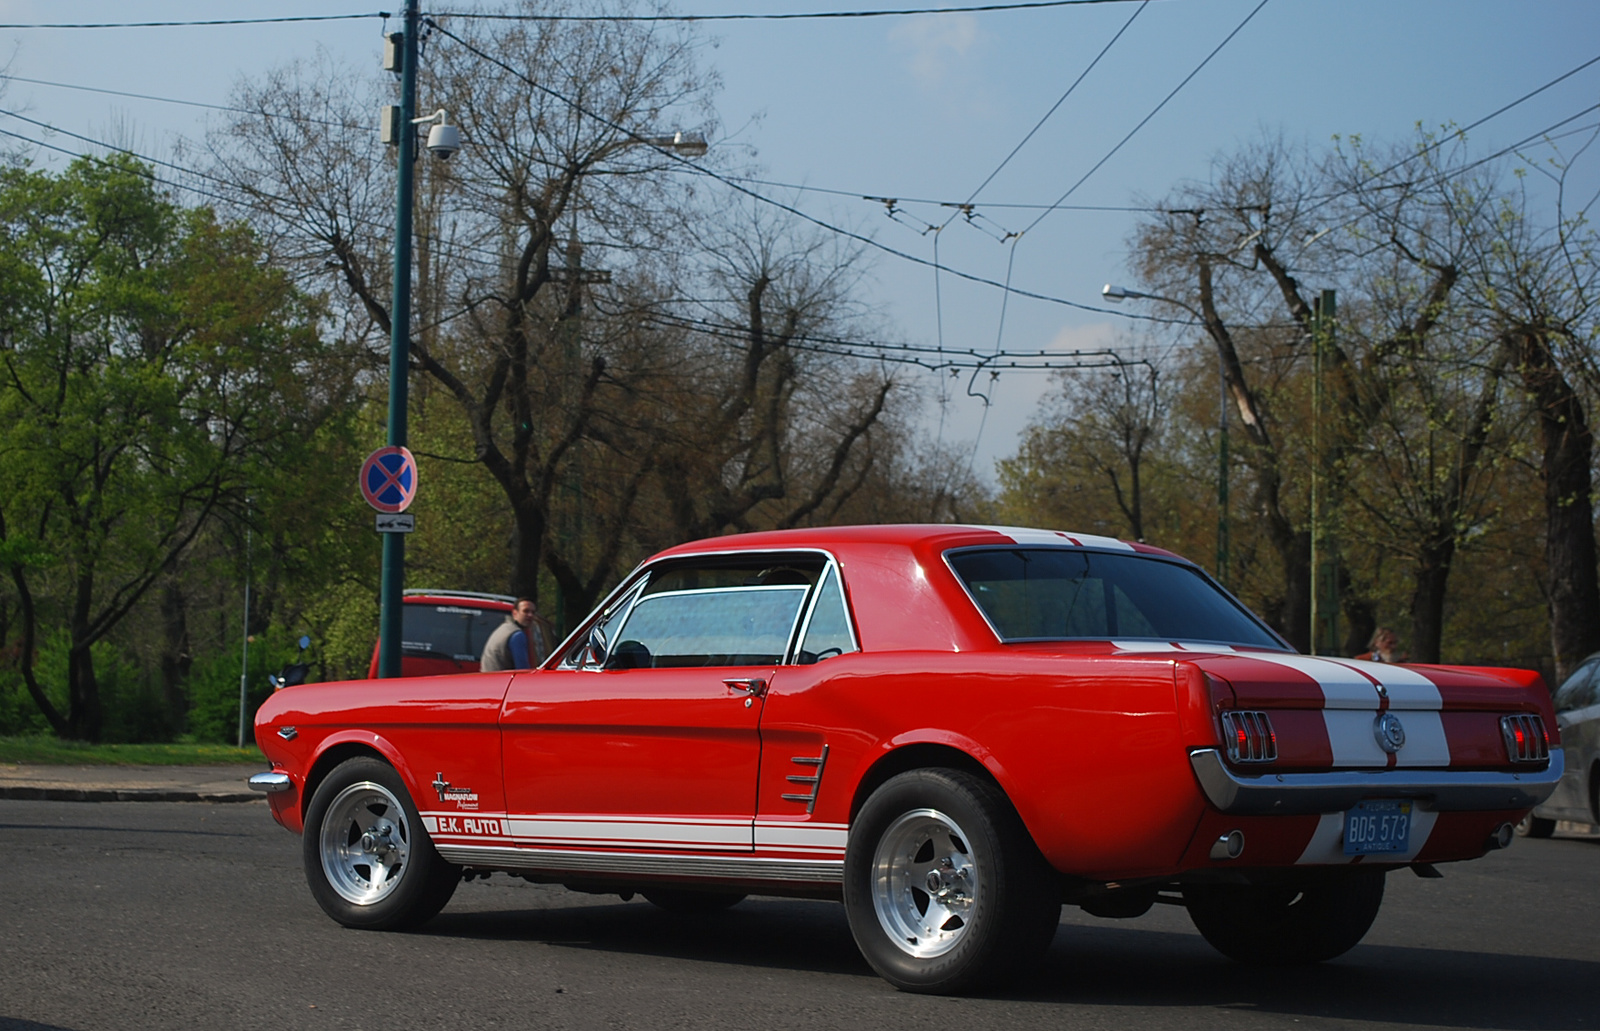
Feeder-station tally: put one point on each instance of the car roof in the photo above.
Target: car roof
(940, 535)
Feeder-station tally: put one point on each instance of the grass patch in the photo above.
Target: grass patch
(44, 749)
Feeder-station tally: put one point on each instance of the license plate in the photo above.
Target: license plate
(1377, 828)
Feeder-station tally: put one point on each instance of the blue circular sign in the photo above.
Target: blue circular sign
(389, 479)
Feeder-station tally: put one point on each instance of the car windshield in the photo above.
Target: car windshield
(1057, 593)
(447, 631)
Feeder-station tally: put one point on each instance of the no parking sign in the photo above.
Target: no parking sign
(389, 479)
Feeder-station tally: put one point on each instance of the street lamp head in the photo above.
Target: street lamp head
(1115, 293)
(689, 144)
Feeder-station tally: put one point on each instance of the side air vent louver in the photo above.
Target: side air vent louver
(1526, 739)
(1249, 737)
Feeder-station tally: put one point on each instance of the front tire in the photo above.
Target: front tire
(1314, 918)
(368, 860)
(944, 888)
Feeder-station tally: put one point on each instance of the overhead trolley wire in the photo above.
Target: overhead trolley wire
(899, 12)
(689, 166)
(1059, 101)
(286, 19)
(166, 100)
(1146, 119)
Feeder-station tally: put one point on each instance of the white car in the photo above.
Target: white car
(1577, 796)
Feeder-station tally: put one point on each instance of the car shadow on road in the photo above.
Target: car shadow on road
(1099, 964)
(1114, 966)
(762, 932)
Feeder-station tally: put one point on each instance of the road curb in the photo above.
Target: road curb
(31, 793)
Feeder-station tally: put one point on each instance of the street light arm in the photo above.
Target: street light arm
(1118, 294)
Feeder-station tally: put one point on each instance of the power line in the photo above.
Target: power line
(788, 16)
(884, 198)
(196, 23)
(166, 100)
(1153, 111)
(1061, 100)
(688, 165)
(1436, 144)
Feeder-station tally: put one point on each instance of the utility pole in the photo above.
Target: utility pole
(1324, 551)
(1222, 475)
(394, 544)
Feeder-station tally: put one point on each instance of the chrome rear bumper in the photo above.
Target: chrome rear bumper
(1271, 794)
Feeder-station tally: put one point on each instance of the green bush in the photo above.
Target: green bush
(213, 686)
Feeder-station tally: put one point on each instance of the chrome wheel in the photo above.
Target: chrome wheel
(364, 843)
(926, 885)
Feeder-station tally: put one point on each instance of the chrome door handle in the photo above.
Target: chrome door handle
(755, 687)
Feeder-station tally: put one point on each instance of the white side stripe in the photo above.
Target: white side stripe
(646, 831)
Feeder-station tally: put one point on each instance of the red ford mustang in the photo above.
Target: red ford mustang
(953, 729)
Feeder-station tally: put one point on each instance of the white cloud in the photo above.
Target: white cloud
(935, 45)
(1094, 337)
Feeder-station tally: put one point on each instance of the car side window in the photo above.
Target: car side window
(1579, 690)
(733, 613)
(828, 632)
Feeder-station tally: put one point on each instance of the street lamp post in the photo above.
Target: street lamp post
(1122, 293)
(394, 544)
(399, 127)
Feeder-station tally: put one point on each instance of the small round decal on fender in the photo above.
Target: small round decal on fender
(1390, 732)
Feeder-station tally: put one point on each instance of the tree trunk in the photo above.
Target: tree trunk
(1432, 575)
(175, 657)
(1574, 590)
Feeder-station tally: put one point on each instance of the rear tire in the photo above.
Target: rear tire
(1536, 827)
(1315, 918)
(367, 858)
(943, 886)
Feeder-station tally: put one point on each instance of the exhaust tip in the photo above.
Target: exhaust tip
(1502, 836)
(1229, 846)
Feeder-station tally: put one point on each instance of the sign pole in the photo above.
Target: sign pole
(394, 544)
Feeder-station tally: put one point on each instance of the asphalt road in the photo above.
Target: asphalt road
(172, 915)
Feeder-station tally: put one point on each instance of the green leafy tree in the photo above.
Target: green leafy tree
(152, 369)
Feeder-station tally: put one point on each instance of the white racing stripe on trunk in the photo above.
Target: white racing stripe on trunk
(1407, 688)
(1342, 687)
(1352, 734)
(1327, 842)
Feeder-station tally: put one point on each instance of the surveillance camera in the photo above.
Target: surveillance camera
(444, 141)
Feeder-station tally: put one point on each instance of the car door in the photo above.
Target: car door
(656, 746)
(1578, 716)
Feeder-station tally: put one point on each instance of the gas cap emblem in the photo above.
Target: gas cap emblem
(1390, 732)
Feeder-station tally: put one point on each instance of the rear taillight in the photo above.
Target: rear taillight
(1248, 737)
(1525, 737)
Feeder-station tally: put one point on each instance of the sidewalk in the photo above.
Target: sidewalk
(128, 783)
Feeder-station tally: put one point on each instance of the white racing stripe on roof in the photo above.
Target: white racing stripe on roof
(1028, 535)
(1169, 646)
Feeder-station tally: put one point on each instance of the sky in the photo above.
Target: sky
(927, 107)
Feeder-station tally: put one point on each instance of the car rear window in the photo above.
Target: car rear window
(447, 631)
(1061, 593)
